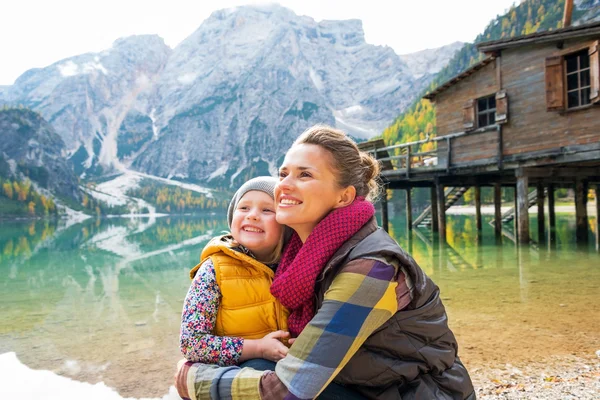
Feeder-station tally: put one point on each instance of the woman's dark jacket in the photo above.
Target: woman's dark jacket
(414, 354)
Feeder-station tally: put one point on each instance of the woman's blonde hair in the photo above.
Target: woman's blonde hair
(352, 167)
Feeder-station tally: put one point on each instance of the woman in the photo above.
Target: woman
(365, 313)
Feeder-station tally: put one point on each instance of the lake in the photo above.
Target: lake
(101, 300)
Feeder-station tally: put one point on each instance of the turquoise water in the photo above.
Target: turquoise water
(101, 300)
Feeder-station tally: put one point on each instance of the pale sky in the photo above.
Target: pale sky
(37, 33)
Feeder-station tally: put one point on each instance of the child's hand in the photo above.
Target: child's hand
(271, 347)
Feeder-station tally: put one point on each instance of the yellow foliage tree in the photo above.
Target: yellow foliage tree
(17, 189)
(8, 190)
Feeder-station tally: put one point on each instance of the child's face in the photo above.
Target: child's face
(254, 225)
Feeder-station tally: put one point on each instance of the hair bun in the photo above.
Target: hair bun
(371, 170)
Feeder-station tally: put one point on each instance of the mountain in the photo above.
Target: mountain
(87, 97)
(228, 101)
(590, 10)
(249, 80)
(30, 148)
(427, 63)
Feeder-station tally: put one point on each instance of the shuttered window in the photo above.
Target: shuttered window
(578, 79)
(573, 78)
(486, 111)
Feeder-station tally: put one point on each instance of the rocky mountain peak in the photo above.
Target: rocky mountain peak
(153, 41)
(430, 61)
(248, 79)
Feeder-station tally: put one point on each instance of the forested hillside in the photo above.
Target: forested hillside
(175, 200)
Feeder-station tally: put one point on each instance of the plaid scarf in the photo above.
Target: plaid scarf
(300, 265)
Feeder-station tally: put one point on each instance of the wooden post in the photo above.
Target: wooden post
(541, 216)
(581, 211)
(551, 215)
(598, 217)
(516, 212)
(498, 211)
(384, 209)
(500, 149)
(478, 209)
(522, 207)
(434, 211)
(408, 161)
(441, 203)
(568, 12)
(409, 218)
(448, 155)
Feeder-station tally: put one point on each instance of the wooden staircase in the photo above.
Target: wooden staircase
(509, 215)
(451, 195)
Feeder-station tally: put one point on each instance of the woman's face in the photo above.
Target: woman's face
(307, 190)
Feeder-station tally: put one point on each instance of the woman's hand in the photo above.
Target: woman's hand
(271, 348)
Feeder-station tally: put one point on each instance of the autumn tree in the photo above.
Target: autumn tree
(8, 189)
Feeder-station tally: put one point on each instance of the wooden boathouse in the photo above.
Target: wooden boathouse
(527, 116)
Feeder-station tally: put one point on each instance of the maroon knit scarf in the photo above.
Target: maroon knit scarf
(294, 282)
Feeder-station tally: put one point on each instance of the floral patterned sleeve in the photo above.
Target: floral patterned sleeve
(198, 320)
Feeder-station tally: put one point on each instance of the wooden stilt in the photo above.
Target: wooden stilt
(441, 203)
(478, 209)
(522, 207)
(384, 210)
(434, 211)
(516, 218)
(581, 212)
(409, 218)
(498, 211)
(551, 215)
(541, 216)
(597, 217)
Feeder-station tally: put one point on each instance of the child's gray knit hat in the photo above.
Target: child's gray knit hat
(264, 184)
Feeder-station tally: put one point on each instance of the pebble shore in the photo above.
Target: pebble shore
(559, 379)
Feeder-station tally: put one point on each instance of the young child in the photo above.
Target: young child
(229, 314)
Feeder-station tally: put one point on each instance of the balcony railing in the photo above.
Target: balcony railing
(407, 157)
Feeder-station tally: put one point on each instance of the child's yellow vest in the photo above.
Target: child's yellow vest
(248, 309)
